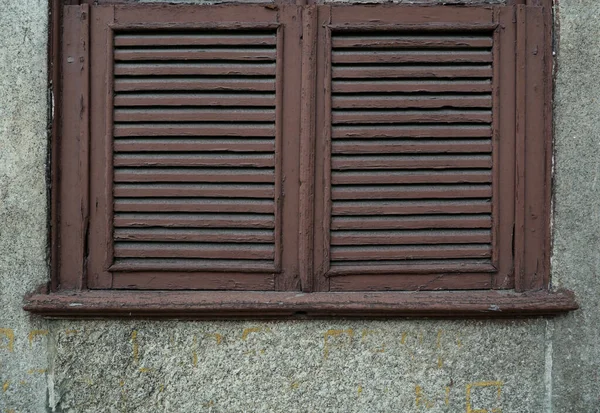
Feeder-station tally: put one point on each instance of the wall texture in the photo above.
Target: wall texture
(522, 366)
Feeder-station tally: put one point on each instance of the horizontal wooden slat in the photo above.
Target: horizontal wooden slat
(408, 71)
(193, 175)
(195, 190)
(195, 159)
(475, 236)
(194, 235)
(190, 53)
(343, 162)
(387, 101)
(412, 131)
(411, 191)
(412, 177)
(417, 267)
(194, 39)
(410, 116)
(411, 56)
(411, 86)
(396, 280)
(195, 99)
(194, 164)
(141, 267)
(140, 84)
(194, 69)
(368, 207)
(358, 146)
(240, 205)
(193, 274)
(141, 220)
(411, 222)
(195, 129)
(189, 250)
(193, 145)
(406, 41)
(410, 252)
(194, 115)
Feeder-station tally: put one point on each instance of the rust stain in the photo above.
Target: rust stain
(9, 333)
(420, 399)
(471, 386)
(335, 333)
(218, 337)
(136, 346)
(36, 333)
(250, 330)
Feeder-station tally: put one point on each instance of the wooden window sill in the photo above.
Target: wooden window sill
(222, 304)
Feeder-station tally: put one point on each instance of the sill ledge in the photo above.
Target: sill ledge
(221, 304)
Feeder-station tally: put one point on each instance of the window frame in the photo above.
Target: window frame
(532, 295)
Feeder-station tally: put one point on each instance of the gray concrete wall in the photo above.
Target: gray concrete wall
(521, 366)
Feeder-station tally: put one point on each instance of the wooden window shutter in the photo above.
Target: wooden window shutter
(415, 148)
(191, 155)
(286, 160)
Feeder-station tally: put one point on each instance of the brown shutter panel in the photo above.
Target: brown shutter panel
(417, 164)
(188, 147)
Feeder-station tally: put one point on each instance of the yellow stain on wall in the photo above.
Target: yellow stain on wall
(471, 386)
(335, 333)
(71, 331)
(34, 371)
(136, 346)
(145, 370)
(5, 386)
(9, 333)
(440, 362)
(420, 399)
(218, 337)
(359, 390)
(403, 341)
(36, 333)
(194, 353)
(250, 330)
(438, 341)
(294, 385)
(447, 398)
(366, 333)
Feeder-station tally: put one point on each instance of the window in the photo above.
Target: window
(323, 160)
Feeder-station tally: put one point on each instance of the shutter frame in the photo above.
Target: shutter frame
(380, 21)
(105, 272)
(72, 202)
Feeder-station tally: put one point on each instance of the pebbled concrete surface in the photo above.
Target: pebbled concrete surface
(576, 259)
(520, 366)
(23, 228)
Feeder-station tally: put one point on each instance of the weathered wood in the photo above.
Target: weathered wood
(220, 304)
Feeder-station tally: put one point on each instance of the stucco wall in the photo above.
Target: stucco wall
(522, 366)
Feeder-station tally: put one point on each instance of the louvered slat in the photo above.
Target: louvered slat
(411, 163)
(194, 150)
